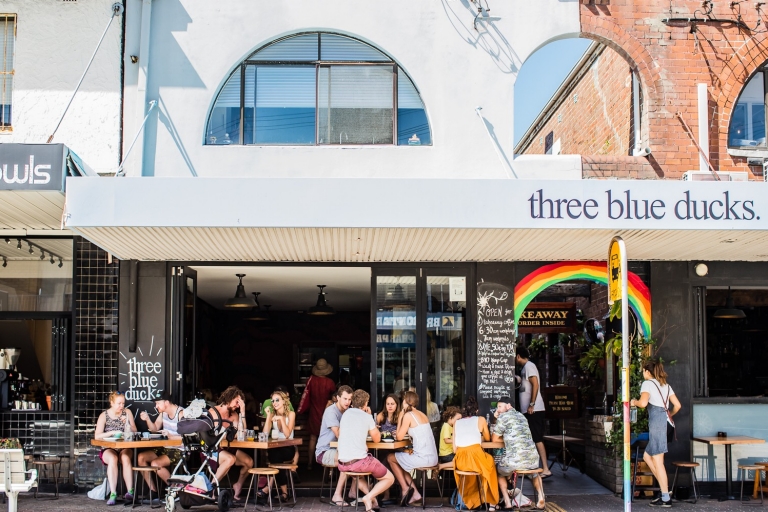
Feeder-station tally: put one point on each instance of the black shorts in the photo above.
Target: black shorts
(536, 422)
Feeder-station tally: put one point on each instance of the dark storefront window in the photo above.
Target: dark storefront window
(736, 348)
(36, 275)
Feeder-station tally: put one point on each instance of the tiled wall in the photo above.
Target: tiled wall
(43, 434)
(95, 351)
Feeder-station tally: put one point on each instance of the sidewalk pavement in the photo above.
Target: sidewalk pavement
(584, 503)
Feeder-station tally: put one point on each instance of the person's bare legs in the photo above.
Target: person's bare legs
(245, 462)
(110, 459)
(312, 446)
(337, 496)
(150, 458)
(126, 459)
(226, 461)
(403, 478)
(503, 489)
(384, 483)
(538, 484)
(543, 458)
(656, 465)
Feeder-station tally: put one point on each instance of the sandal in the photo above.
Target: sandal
(112, 499)
(339, 503)
(406, 497)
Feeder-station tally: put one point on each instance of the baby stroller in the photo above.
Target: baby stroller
(201, 436)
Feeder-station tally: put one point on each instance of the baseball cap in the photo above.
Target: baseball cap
(504, 400)
(164, 395)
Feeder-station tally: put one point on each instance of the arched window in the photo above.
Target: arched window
(748, 118)
(318, 89)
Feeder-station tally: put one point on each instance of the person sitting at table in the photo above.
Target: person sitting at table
(164, 458)
(468, 433)
(433, 411)
(263, 413)
(355, 426)
(111, 421)
(282, 420)
(520, 451)
(231, 408)
(387, 417)
(329, 432)
(445, 452)
(414, 423)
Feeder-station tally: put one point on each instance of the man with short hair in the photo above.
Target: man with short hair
(329, 431)
(532, 403)
(519, 449)
(168, 416)
(355, 426)
(231, 409)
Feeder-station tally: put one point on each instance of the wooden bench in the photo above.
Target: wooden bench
(13, 476)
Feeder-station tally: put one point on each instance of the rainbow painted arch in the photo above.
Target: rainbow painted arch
(595, 271)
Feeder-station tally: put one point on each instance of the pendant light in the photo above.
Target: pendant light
(240, 300)
(730, 312)
(258, 314)
(321, 308)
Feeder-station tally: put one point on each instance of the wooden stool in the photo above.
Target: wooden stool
(289, 469)
(270, 474)
(692, 467)
(330, 470)
(757, 477)
(356, 476)
(424, 470)
(756, 469)
(152, 472)
(522, 473)
(42, 465)
(462, 478)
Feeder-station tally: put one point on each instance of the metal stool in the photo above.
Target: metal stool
(270, 474)
(521, 473)
(289, 469)
(462, 479)
(330, 470)
(424, 486)
(356, 476)
(757, 477)
(705, 460)
(751, 467)
(42, 465)
(153, 472)
(686, 465)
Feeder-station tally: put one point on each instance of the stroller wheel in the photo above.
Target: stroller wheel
(225, 500)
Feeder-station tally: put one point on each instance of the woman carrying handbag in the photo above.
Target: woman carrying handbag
(656, 394)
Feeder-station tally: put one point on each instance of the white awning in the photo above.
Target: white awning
(381, 220)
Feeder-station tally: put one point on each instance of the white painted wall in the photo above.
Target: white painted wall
(195, 45)
(54, 41)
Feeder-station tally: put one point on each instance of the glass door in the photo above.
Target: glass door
(183, 373)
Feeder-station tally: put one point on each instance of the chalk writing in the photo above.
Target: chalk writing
(495, 343)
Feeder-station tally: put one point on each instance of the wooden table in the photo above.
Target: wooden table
(728, 442)
(380, 445)
(120, 444)
(487, 445)
(262, 445)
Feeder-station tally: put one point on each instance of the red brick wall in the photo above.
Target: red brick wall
(595, 117)
(671, 60)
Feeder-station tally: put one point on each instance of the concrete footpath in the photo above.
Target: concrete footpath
(582, 503)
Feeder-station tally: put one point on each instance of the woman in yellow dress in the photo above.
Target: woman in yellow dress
(468, 433)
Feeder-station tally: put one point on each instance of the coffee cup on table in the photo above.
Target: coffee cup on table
(117, 435)
(145, 435)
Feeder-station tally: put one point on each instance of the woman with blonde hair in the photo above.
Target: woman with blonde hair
(116, 419)
(282, 420)
(416, 424)
(655, 395)
(468, 433)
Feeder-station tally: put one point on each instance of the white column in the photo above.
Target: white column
(703, 104)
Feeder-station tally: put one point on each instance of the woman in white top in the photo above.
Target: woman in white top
(656, 395)
(416, 424)
(281, 419)
(468, 433)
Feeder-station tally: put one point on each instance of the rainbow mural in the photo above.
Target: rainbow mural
(595, 271)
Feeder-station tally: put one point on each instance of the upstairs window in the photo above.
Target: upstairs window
(318, 89)
(748, 118)
(8, 35)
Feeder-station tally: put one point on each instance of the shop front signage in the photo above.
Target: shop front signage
(32, 166)
(548, 317)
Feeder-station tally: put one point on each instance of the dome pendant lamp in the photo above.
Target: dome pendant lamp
(321, 308)
(258, 314)
(240, 300)
(730, 312)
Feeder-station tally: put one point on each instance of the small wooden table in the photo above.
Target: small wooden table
(487, 445)
(261, 445)
(120, 444)
(728, 442)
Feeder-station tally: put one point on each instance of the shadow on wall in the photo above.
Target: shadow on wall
(484, 37)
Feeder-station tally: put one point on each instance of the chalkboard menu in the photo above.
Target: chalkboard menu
(495, 343)
(561, 402)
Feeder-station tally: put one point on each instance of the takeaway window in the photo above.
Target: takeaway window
(318, 89)
(748, 118)
(8, 31)
(736, 351)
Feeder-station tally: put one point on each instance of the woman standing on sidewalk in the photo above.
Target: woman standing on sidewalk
(656, 394)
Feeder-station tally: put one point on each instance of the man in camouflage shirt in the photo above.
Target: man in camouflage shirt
(519, 449)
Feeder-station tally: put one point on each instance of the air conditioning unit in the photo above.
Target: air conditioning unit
(724, 176)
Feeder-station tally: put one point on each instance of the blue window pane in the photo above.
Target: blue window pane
(748, 117)
(758, 123)
(412, 124)
(224, 123)
(284, 104)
